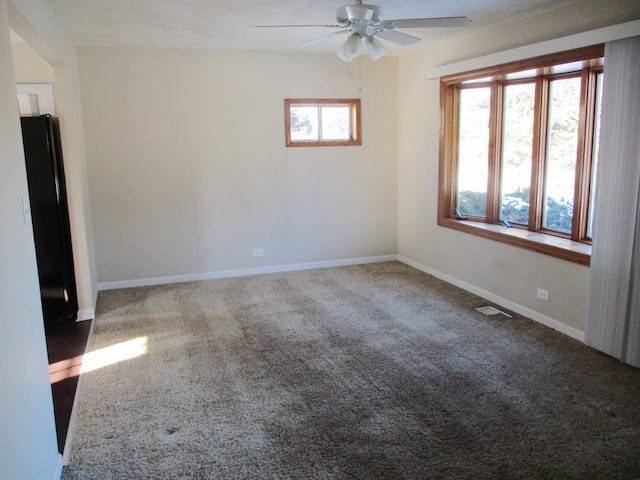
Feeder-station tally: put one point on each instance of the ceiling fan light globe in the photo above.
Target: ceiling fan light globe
(342, 57)
(376, 48)
(351, 48)
(353, 45)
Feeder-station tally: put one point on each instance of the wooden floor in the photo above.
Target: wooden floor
(66, 344)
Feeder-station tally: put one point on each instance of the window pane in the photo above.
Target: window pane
(562, 147)
(304, 124)
(517, 149)
(473, 150)
(335, 123)
(596, 152)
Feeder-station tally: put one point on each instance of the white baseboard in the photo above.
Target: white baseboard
(86, 314)
(515, 307)
(58, 473)
(144, 282)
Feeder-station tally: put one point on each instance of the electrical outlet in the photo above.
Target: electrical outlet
(543, 294)
(258, 252)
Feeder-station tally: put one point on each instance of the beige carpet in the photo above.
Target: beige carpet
(373, 371)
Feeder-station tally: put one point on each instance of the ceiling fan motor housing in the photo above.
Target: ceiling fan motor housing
(362, 14)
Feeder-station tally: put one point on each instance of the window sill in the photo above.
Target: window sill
(538, 242)
(324, 143)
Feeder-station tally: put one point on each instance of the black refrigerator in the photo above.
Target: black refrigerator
(50, 217)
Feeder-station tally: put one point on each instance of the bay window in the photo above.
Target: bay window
(518, 152)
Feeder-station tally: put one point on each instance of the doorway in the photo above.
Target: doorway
(66, 341)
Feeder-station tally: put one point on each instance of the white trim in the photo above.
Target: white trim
(585, 39)
(44, 94)
(515, 307)
(66, 451)
(193, 277)
(58, 473)
(86, 314)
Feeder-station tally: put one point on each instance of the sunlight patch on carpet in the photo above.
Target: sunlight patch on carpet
(115, 354)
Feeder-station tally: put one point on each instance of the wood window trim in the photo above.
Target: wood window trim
(548, 243)
(552, 245)
(355, 121)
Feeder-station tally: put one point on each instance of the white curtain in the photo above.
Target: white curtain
(613, 322)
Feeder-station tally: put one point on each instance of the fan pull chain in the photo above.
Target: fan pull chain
(359, 72)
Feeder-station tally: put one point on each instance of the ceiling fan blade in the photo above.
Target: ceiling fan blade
(427, 22)
(323, 37)
(398, 37)
(297, 26)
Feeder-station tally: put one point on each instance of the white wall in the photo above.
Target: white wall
(28, 446)
(30, 67)
(69, 111)
(507, 272)
(34, 76)
(189, 171)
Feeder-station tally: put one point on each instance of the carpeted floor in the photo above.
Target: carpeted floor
(370, 372)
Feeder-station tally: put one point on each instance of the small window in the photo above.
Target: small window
(316, 123)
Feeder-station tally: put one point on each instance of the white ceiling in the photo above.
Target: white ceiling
(229, 24)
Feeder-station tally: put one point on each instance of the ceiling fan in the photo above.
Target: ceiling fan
(364, 25)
